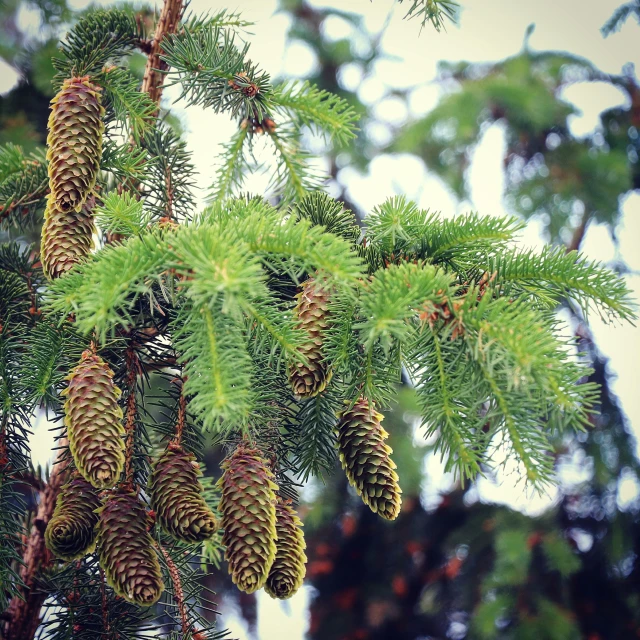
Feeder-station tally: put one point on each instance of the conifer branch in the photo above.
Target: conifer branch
(24, 612)
(155, 67)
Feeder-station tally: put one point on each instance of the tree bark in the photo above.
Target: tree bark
(153, 73)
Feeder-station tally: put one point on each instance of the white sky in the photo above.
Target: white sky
(489, 30)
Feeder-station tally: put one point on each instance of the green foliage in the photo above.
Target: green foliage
(620, 16)
(434, 11)
(550, 174)
(133, 110)
(320, 110)
(23, 186)
(122, 214)
(99, 37)
(202, 304)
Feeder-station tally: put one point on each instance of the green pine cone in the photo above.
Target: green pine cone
(70, 533)
(365, 459)
(248, 513)
(288, 569)
(67, 237)
(310, 378)
(125, 549)
(176, 497)
(74, 143)
(94, 422)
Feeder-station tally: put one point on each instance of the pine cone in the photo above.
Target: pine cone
(74, 143)
(248, 513)
(66, 237)
(365, 459)
(94, 422)
(70, 533)
(176, 497)
(125, 549)
(308, 380)
(288, 570)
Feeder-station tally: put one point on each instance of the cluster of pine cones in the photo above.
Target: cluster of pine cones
(95, 510)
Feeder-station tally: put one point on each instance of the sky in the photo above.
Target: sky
(489, 30)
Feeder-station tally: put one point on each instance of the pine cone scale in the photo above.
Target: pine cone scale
(125, 549)
(94, 422)
(247, 507)
(310, 378)
(365, 457)
(70, 533)
(176, 497)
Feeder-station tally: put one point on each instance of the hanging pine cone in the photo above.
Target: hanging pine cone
(125, 549)
(94, 422)
(310, 378)
(70, 533)
(176, 496)
(365, 459)
(288, 569)
(74, 142)
(248, 513)
(66, 237)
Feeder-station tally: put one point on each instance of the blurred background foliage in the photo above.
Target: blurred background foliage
(451, 566)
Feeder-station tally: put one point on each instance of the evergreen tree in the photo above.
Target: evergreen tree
(274, 324)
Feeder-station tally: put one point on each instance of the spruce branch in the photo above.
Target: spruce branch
(122, 214)
(155, 67)
(434, 11)
(321, 111)
(23, 186)
(215, 73)
(554, 275)
(233, 166)
(99, 37)
(134, 110)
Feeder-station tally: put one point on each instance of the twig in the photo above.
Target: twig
(579, 233)
(130, 416)
(153, 73)
(182, 416)
(23, 613)
(178, 594)
(105, 609)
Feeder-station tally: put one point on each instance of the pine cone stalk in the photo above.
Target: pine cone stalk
(247, 506)
(310, 378)
(94, 422)
(365, 457)
(70, 533)
(125, 549)
(176, 496)
(288, 569)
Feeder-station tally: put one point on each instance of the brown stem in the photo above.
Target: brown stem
(182, 416)
(153, 73)
(579, 233)
(178, 594)
(105, 608)
(130, 416)
(23, 613)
